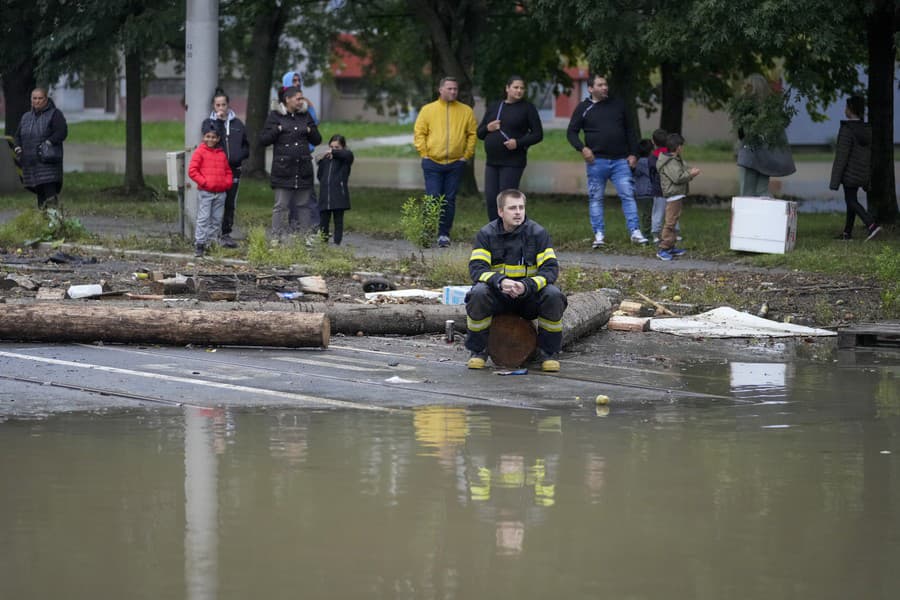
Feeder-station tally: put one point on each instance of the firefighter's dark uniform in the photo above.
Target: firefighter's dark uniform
(525, 255)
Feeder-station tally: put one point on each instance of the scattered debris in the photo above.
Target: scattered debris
(725, 322)
(513, 372)
(91, 290)
(659, 307)
(20, 281)
(377, 284)
(626, 323)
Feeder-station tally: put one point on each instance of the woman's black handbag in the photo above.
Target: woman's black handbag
(50, 153)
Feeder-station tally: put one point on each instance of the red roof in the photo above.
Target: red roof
(345, 64)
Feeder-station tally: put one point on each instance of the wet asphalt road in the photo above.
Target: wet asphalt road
(359, 374)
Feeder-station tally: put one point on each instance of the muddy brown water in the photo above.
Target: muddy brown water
(789, 490)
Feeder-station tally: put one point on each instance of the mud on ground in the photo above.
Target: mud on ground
(803, 298)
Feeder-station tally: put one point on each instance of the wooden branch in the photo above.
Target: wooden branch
(657, 305)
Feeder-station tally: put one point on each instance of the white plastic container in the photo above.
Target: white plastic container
(85, 291)
(760, 224)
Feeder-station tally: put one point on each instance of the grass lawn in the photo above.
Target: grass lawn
(170, 134)
(376, 212)
(555, 147)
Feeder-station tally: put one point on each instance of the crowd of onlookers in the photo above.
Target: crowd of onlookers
(649, 175)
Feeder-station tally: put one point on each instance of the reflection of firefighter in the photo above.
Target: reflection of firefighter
(511, 473)
(440, 426)
(443, 430)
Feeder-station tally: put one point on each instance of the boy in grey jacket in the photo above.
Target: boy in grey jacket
(674, 177)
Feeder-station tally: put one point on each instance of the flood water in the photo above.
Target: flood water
(790, 490)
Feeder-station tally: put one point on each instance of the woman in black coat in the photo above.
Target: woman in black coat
(509, 127)
(334, 195)
(39, 149)
(290, 130)
(851, 165)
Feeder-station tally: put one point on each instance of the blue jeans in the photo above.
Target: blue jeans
(443, 180)
(598, 173)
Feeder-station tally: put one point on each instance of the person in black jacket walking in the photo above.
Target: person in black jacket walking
(38, 146)
(851, 165)
(233, 140)
(290, 130)
(334, 195)
(610, 152)
(509, 127)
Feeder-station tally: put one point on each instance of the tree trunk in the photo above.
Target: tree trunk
(672, 97)
(90, 322)
(18, 81)
(454, 28)
(621, 84)
(587, 312)
(134, 162)
(882, 194)
(511, 341)
(17, 68)
(266, 35)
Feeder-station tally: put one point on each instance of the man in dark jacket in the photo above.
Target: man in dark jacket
(851, 165)
(513, 268)
(290, 131)
(610, 152)
(38, 147)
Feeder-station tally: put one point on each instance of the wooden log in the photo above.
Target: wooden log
(83, 322)
(174, 285)
(626, 323)
(51, 294)
(631, 308)
(511, 341)
(587, 312)
(313, 284)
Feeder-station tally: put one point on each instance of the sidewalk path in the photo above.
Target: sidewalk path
(363, 245)
(810, 182)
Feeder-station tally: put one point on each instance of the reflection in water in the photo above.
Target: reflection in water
(759, 381)
(201, 503)
(660, 501)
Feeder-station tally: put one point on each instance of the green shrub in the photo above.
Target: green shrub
(419, 219)
(887, 269)
(32, 226)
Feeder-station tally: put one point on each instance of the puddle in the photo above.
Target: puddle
(449, 501)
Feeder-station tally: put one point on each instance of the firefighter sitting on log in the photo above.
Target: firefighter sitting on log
(513, 269)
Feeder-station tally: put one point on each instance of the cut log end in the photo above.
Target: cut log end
(512, 341)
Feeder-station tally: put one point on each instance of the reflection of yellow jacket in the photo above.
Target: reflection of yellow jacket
(445, 131)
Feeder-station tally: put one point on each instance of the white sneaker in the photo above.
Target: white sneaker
(637, 237)
(656, 237)
(598, 240)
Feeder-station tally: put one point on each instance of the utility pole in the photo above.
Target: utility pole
(201, 74)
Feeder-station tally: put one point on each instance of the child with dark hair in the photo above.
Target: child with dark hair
(209, 168)
(334, 195)
(644, 184)
(674, 177)
(659, 201)
(851, 165)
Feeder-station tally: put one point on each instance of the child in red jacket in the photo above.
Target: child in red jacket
(210, 170)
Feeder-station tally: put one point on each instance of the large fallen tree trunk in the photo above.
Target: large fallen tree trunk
(82, 322)
(587, 312)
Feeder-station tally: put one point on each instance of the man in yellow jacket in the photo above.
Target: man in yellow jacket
(445, 135)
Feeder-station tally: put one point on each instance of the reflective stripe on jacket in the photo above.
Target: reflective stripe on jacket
(523, 254)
